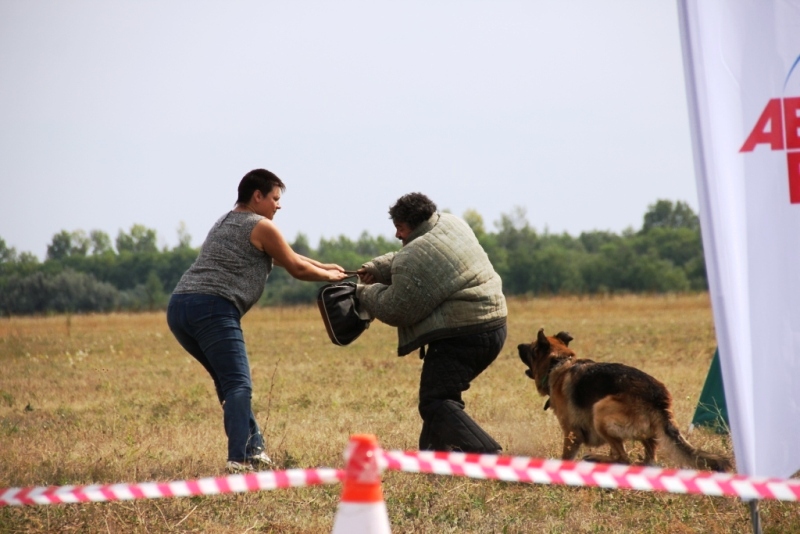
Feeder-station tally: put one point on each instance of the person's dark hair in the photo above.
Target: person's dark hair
(412, 209)
(258, 180)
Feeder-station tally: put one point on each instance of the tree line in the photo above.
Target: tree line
(84, 272)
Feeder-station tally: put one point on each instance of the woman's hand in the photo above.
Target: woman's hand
(336, 276)
(336, 272)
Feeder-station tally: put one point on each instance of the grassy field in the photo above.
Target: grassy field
(113, 398)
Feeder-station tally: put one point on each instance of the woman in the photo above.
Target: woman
(225, 280)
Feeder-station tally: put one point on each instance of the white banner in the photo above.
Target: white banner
(742, 64)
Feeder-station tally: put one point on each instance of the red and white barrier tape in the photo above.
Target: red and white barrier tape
(265, 480)
(522, 469)
(505, 468)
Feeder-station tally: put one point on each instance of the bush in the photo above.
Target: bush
(67, 291)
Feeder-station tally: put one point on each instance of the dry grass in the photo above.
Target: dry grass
(113, 398)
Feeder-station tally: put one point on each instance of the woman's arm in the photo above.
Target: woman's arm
(266, 237)
(322, 265)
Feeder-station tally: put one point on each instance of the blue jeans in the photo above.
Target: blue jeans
(209, 328)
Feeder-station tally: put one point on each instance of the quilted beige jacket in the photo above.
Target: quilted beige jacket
(440, 284)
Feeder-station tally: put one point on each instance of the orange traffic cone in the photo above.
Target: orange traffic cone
(362, 508)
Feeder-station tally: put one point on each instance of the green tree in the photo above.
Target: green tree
(66, 244)
(26, 263)
(368, 247)
(139, 240)
(100, 243)
(301, 245)
(624, 269)
(154, 290)
(7, 255)
(677, 245)
(593, 241)
(475, 221)
(665, 214)
(517, 243)
(651, 274)
(80, 243)
(555, 269)
(596, 273)
(60, 246)
(174, 264)
(184, 237)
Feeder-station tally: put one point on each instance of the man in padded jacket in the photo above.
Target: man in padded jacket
(441, 291)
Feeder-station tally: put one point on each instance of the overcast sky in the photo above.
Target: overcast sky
(150, 112)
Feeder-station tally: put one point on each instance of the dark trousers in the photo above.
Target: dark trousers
(447, 370)
(208, 327)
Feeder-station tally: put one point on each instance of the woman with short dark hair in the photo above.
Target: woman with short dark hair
(223, 283)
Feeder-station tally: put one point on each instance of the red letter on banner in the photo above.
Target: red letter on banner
(793, 158)
(791, 121)
(774, 137)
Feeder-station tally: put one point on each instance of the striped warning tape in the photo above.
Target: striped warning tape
(265, 480)
(615, 476)
(505, 468)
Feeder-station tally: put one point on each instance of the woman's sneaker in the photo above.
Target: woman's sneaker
(261, 461)
(238, 468)
(252, 464)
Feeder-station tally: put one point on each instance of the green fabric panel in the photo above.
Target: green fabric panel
(711, 409)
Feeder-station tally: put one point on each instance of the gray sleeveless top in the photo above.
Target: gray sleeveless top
(229, 266)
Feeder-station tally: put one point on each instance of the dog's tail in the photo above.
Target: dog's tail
(675, 445)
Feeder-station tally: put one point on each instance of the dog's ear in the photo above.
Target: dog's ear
(542, 343)
(564, 337)
(541, 338)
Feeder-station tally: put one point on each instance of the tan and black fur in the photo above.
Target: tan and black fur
(598, 403)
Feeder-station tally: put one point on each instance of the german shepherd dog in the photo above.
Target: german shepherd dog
(598, 403)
